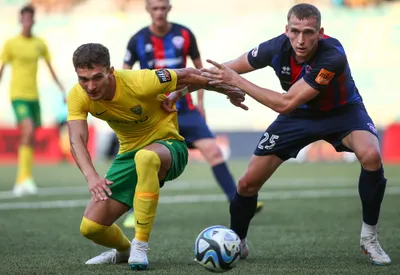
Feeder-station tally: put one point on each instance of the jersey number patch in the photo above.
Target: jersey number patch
(267, 143)
(163, 76)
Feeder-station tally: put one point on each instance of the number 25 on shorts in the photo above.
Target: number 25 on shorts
(268, 142)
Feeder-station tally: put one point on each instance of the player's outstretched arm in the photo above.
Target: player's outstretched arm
(53, 73)
(1, 70)
(299, 93)
(78, 138)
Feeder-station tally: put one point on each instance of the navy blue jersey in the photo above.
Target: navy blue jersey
(328, 71)
(169, 51)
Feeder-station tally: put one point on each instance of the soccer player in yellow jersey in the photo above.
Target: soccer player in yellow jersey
(23, 53)
(151, 149)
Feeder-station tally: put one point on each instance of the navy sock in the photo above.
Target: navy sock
(242, 210)
(371, 187)
(225, 179)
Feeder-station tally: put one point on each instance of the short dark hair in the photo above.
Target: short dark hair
(302, 11)
(89, 55)
(27, 9)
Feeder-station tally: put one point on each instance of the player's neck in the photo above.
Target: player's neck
(160, 30)
(26, 33)
(111, 90)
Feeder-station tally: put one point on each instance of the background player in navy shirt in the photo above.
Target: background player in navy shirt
(166, 45)
(321, 102)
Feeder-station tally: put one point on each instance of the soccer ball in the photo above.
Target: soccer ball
(217, 248)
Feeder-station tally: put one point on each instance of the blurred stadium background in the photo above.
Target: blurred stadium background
(39, 234)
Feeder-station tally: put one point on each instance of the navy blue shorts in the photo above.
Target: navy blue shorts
(192, 126)
(288, 134)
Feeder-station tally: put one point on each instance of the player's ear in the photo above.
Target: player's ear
(287, 30)
(169, 8)
(111, 71)
(321, 33)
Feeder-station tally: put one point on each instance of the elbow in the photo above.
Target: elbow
(286, 107)
(285, 110)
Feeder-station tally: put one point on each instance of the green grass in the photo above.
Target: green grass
(290, 236)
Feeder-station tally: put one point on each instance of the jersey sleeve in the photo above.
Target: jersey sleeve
(6, 53)
(131, 55)
(77, 105)
(326, 67)
(45, 51)
(155, 82)
(262, 55)
(194, 52)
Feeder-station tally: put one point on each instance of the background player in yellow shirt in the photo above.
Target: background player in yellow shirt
(151, 149)
(23, 52)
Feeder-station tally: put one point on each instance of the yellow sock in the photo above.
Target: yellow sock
(109, 236)
(146, 194)
(25, 159)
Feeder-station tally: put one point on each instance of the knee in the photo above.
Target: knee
(247, 187)
(371, 158)
(89, 228)
(214, 154)
(147, 158)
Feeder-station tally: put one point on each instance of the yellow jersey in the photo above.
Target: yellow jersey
(23, 54)
(134, 113)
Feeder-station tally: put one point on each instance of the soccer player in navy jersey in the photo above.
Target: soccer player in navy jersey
(321, 102)
(167, 45)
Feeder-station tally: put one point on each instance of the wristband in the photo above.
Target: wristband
(184, 91)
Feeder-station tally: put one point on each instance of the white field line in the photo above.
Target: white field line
(201, 185)
(274, 195)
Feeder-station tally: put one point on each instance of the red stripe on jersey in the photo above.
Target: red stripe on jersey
(158, 48)
(296, 70)
(189, 102)
(186, 44)
(326, 100)
(325, 36)
(343, 91)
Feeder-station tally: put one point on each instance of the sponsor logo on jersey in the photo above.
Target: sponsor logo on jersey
(163, 76)
(128, 122)
(285, 70)
(324, 77)
(137, 109)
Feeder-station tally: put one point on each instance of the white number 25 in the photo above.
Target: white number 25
(267, 143)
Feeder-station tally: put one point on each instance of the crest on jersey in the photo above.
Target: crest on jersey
(254, 52)
(148, 48)
(178, 42)
(137, 109)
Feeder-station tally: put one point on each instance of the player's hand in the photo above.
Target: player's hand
(168, 104)
(237, 97)
(220, 74)
(98, 186)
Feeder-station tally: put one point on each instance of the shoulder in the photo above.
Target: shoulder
(12, 40)
(141, 32)
(179, 27)
(331, 51)
(77, 92)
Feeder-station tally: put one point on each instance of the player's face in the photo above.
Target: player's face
(96, 81)
(27, 21)
(158, 10)
(304, 35)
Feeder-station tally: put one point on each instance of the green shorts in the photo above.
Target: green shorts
(24, 109)
(123, 170)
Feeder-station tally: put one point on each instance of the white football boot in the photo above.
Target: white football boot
(244, 249)
(110, 257)
(138, 255)
(27, 187)
(370, 246)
